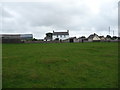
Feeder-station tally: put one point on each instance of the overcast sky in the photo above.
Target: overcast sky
(80, 17)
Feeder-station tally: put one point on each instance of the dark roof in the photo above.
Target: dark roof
(92, 36)
(83, 37)
(108, 36)
(114, 37)
(49, 33)
(60, 33)
(101, 36)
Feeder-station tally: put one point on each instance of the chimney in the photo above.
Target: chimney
(53, 31)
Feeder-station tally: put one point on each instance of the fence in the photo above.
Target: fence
(19, 41)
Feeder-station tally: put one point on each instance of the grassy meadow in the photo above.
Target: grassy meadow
(60, 65)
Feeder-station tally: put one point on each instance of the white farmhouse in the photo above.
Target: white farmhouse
(60, 35)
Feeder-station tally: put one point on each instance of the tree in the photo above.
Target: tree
(108, 36)
(34, 39)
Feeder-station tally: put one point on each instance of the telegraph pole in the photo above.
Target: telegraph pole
(113, 32)
(109, 30)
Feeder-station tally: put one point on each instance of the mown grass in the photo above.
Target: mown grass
(60, 65)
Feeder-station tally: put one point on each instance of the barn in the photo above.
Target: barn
(15, 38)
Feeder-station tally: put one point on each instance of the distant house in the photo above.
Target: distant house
(108, 38)
(72, 39)
(57, 36)
(114, 38)
(82, 39)
(102, 38)
(48, 37)
(93, 38)
(60, 35)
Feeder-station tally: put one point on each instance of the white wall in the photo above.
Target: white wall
(96, 38)
(90, 40)
(60, 37)
(76, 40)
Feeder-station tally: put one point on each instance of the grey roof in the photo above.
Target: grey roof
(60, 33)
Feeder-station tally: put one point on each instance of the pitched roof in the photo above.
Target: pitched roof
(101, 37)
(60, 33)
(83, 37)
(92, 36)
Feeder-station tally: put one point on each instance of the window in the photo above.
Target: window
(60, 35)
(64, 36)
(57, 35)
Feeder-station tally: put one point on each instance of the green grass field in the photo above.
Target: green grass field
(60, 65)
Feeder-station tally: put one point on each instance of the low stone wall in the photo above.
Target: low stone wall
(42, 42)
(66, 41)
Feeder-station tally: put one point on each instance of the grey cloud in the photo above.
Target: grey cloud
(39, 18)
(5, 13)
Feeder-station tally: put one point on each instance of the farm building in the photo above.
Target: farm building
(48, 37)
(10, 38)
(15, 38)
(26, 36)
(57, 36)
(71, 40)
(61, 35)
(83, 39)
(93, 38)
